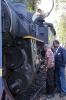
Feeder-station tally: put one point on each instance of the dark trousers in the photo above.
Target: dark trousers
(50, 81)
(60, 79)
(39, 19)
(54, 79)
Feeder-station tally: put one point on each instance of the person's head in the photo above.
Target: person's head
(46, 47)
(39, 10)
(53, 49)
(56, 43)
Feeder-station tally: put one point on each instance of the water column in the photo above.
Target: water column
(0, 53)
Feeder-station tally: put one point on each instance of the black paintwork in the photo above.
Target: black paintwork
(21, 56)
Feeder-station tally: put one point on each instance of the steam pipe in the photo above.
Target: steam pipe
(51, 8)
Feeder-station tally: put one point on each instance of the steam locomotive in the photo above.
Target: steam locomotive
(22, 47)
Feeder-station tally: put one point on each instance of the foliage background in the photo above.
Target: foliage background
(30, 4)
(61, 21)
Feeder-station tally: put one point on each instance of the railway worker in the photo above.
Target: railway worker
(60, 61)
(49, 63)
(39, 14)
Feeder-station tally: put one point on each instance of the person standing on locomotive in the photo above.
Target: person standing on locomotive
(49, 63)
(39, 15)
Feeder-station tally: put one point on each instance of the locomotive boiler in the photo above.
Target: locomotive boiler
(22, 47)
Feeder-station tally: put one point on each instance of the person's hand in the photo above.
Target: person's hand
(44, 16)
(46, 70)
(47, 14)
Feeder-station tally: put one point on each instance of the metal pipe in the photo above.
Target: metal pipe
(51, 8)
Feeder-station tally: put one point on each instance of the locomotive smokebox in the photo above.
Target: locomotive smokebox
(20, 8)
(16, 13)
(19, 14)
(6, 22)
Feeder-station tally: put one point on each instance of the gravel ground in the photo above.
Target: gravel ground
(56, 97)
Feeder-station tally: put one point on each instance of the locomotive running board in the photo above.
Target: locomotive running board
(31, 37)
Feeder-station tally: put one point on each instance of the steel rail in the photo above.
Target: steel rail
(38, 91)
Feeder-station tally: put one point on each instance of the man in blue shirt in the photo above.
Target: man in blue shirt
(60, 61)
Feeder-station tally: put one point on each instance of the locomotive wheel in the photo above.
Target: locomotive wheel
(14, 58)
(17, 83)
(19, 43)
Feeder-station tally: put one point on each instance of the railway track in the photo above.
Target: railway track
(38, 91)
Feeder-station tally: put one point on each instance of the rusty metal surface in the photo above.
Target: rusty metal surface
(0, 96)
(8, 94)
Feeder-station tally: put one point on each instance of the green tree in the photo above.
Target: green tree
(60, 4)
(61, 31)
(30, 4)
(61, 22)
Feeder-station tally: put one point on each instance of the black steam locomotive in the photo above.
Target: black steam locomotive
(22, 44)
